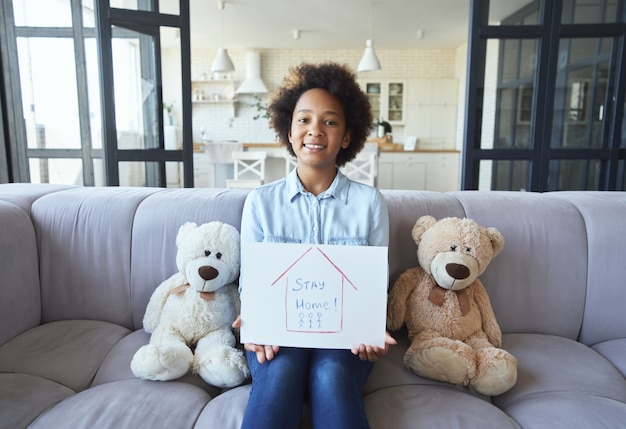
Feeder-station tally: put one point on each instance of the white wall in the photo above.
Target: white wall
(461, 75)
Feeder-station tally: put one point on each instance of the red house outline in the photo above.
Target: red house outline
(344, 279)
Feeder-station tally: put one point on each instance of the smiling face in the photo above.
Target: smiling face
(318, 130)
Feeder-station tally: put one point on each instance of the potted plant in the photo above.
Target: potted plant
(168, 108)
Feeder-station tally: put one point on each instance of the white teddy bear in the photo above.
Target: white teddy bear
(196, 308)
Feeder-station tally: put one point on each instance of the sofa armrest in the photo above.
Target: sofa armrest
(20, 299)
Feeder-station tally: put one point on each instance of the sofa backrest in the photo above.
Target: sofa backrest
(103, 251)
(25, 194)
(154, 234)
(84, 238)
(538, 282)
(405, 207)
(604, 215)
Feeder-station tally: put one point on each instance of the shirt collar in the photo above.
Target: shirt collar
(338, 188)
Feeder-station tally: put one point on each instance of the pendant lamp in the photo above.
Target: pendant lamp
(222, 62)
(369, 61)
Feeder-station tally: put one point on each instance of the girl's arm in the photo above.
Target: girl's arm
(379, 232)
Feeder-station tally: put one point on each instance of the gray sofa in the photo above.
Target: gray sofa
(78, 266)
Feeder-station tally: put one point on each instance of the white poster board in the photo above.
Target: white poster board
(315, 296)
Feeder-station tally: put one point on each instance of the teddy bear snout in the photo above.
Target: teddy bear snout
(207, 272)
(457, 271)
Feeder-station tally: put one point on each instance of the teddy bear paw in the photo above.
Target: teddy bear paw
(222, 367)
(496, 372)
(161, 363)
(443, 364)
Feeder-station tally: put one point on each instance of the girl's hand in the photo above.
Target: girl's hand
(372, 353)
(263, 352)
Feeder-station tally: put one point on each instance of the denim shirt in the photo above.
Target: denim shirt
(347, 213)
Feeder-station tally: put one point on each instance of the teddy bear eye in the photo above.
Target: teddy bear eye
(218, 255)
(207, 252)
(468, 249)
(453, 247)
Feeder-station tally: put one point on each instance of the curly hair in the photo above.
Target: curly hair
(341, 82)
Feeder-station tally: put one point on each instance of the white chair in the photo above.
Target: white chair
(249, 169)
(370, 147)
(290, 163)
(363, 168)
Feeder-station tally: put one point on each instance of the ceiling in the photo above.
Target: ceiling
(335, 24)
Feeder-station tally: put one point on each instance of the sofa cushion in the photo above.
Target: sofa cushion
(404, 406)
(568, 410)
(432, 407)
(128, 404)
(615, 352)
(548, 366)
(116, 365)
(226, 411)
(23, 397)
(390, 371)
(67, 352)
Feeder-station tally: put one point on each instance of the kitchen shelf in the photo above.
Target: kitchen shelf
(234, 100)
(214, 92)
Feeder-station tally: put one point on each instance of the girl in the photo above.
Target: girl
(323, 118)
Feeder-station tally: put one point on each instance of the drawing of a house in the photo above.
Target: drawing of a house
(314, 293)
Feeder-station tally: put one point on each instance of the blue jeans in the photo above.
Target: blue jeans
(332, 380)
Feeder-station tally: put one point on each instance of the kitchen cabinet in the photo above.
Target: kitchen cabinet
(432, 112)
(202, 171)
(426, 170)
(387, 98)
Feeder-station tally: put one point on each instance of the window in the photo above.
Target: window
(546, 97)
(55, 90)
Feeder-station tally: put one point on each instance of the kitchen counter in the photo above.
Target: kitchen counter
(428, 169)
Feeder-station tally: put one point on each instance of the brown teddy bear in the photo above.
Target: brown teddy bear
(453, 331)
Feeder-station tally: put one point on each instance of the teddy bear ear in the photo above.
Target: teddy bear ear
(420, 227)
(497, 240)
(184, 230)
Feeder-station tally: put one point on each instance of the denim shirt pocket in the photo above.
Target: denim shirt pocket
(281, 239)
(348, 241)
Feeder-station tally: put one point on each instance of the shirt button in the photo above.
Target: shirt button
(314, 229)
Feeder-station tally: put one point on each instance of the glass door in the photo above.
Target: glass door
(138, 151)
(580, 107)
(546, 93)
